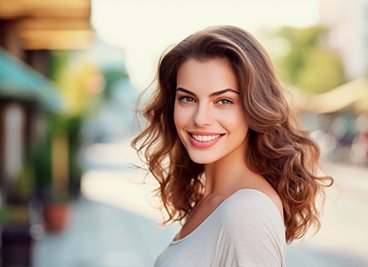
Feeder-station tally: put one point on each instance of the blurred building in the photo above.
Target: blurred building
(29, 31)
(348, 27)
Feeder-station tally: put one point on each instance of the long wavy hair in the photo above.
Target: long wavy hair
(278, 150)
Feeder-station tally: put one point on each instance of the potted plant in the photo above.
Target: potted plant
(55, 165)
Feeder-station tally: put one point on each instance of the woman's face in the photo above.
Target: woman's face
(207, 113)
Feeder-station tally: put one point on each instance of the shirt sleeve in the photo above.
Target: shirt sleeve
(253, 232)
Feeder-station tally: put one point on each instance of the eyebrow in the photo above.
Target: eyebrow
(212, 94)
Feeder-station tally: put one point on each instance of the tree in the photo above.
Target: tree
(306, 61)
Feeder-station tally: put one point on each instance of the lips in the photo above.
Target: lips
(204, 139)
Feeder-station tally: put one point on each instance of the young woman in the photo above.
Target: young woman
(231, 164)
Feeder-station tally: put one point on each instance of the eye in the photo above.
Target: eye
(186, 99)
(225, 101)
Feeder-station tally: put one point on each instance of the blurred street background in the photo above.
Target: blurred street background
(71, 71)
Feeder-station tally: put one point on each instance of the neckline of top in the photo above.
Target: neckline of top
(173, 242)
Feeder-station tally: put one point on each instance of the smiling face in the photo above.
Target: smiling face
(208, 114)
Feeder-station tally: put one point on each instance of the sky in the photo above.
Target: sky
(145, 28)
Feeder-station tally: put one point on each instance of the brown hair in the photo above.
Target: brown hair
(277, 149)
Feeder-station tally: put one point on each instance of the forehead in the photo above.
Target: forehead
(209, 75)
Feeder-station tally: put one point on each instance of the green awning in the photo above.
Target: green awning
(17, 80)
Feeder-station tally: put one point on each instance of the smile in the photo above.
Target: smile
(204, 140)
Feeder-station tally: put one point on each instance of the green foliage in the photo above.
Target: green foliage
(41, 156)
(308, 63)
(58, 125)
(14, 215)
(25, 182)
(73, 74)
(322, 71)
(5, 215)
(73, 126)
(58, 62)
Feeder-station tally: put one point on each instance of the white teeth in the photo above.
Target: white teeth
(205, 138)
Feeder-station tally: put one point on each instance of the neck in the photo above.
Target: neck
(228, 174)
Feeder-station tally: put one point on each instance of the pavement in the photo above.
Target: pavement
(102, 235)
(115, 222)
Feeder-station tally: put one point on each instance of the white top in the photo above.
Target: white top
(245, 230)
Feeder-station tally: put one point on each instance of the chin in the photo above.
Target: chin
(202, 160)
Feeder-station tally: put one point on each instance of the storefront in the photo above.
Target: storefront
(26, 98)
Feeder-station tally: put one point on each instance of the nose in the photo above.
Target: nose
(203, 115)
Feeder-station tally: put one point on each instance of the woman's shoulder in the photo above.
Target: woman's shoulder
(253, 227)
(247, 203)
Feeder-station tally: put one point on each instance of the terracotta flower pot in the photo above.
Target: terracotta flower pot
(55, 216)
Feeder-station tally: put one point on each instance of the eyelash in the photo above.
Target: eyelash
(188, 99)
(227, 100)
(184, 99)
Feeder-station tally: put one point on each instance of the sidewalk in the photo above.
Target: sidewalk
(113, 224)
(101, 235)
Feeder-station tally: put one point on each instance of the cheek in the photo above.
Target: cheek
(180, 117)
(234, 120)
